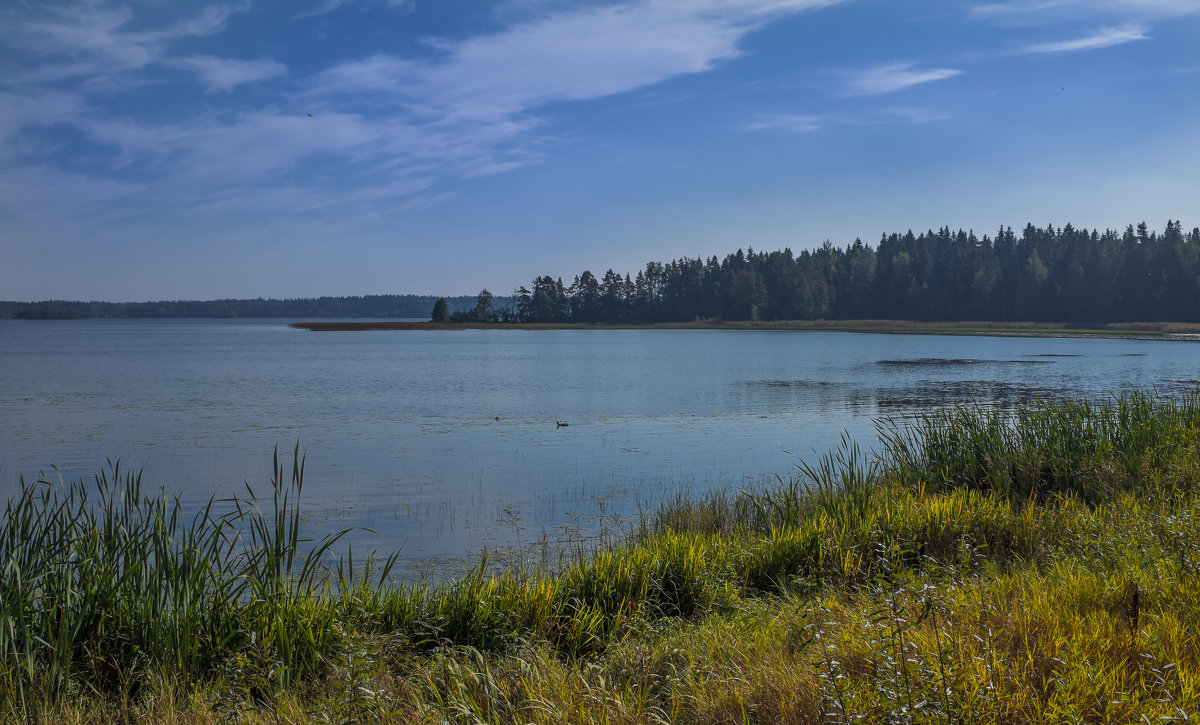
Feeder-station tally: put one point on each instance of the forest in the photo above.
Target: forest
(364, 306)
(1043, 274)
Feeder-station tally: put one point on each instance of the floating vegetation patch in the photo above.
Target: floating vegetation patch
(1132, 354)
(801, 384)
(938, 393)
(956, 362)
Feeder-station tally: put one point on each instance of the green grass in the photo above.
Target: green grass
(1041, 566)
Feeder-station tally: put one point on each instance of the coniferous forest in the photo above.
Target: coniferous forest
(1042, 274)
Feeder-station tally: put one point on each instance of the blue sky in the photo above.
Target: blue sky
(170, 150)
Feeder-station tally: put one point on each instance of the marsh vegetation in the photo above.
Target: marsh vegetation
(978, 566)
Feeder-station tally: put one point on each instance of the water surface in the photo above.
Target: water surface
(445, 442)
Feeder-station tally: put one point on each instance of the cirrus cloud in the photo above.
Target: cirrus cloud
(1023, 11)
(224, 74)
(894, 76)
(1103, 38)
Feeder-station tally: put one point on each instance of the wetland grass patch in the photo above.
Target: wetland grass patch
(980, 566)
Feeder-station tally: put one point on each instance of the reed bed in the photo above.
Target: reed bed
(978, 566)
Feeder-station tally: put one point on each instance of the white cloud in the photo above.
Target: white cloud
(382, 75)
(428, 201)
(1103, 38)
(473, 104)
(43, 194)
(251, 146)
(225, 74)
(298, 199)
(800, 123)
(42, 108)
(1006, 10)
(326, 7)
(571, 55)
(330, 5)
(382, 128)
(787, 122)
(894, 76)
(904, 114)
(98, 40)
(1024, 10)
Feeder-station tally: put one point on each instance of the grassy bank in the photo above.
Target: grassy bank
(982, 567)
(1156, 330)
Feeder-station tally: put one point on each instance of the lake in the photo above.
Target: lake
(444, 443)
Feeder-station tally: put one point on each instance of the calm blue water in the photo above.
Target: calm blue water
(444, 442)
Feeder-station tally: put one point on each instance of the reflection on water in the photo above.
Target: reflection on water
(445, 443)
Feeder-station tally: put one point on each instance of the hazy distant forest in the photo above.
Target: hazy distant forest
(1041, 275)
(416, 306)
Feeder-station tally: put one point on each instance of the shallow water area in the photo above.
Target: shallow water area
(444, 443)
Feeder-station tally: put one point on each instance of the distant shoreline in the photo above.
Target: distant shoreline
(1124, 330)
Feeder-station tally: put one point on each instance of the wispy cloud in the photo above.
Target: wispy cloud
(891, 77)
(225, 74)
(1008, 10)
(383, 128)
(477, 97)
(98, 40)
(328, 6)
(1103, 38)
(570, 55)
(297, 199)
(1024, 10)
(812, 123)
(40, 108)
(904, 114)
(250, 147)
(788, 123)
(37, 192)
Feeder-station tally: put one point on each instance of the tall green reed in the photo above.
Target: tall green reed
(102, 584)
(1091, 450)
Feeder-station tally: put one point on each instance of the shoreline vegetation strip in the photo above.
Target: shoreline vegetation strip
(1127, 330)
(1038, 565)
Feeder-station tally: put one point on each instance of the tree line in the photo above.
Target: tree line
(413, 306)
(1042, 274)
